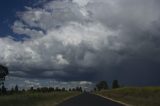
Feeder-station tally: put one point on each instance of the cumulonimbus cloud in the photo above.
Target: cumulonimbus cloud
(81, 37)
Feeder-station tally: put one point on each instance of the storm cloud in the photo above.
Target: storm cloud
(89, 40)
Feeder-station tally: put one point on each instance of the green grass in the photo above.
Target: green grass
(35, 99)
(136, 96)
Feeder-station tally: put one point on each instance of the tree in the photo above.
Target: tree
(31, 88)
(12, 90)
(16, 88)
(63, 89)
(51, 89)
(78, 89)
(57, 89)
(73, 89)
(4, 90)
(115, 84)
(3, 73)
(70, 89)
(23, 90)
(95, 89)
(102, 85)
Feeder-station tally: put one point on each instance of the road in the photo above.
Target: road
(88, 99)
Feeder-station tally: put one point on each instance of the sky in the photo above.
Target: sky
(79, 42)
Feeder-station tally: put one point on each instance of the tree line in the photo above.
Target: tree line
(4, 91)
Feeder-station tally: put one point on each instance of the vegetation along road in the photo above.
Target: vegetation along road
(87, 99)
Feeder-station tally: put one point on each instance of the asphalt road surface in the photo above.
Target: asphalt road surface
(88, 99)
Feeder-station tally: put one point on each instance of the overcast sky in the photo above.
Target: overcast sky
(80, 41)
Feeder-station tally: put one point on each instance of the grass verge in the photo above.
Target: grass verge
(36, 99)
(136, 96)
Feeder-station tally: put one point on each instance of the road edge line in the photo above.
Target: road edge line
(117, 101)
